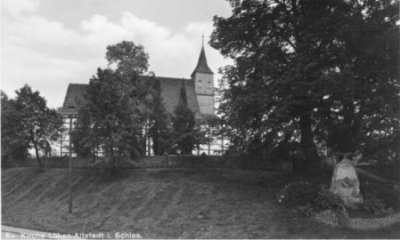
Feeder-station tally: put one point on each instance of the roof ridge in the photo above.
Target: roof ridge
(157, 77)
(173, 78)
(78, 83)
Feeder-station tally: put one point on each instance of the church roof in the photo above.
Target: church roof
(74, 98)
(202, 66)
(170, 92)
(170, 89)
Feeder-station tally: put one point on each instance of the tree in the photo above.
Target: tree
(84, 139)
(40, 123)
(364, 91)
(107, 120)
(184, 125)
(118, 105)
(128, 58)
(14, 144)
(160, 130)
(292, 64)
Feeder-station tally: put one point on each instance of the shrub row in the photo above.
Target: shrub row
(313, 199)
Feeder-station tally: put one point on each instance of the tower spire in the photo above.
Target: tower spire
(202, 65)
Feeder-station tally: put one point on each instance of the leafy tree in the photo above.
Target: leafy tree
(106, 121)
(40, 123)
(364, 90)
(128, 58)
(118, 105)
(14, 144)
(184, 125)
(299, 70)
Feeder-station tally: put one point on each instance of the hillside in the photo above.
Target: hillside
(159, 204)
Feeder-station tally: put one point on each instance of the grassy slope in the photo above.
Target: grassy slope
(160, 204)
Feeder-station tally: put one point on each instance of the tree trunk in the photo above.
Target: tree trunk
(309, 164)
(37, 156)
(346, 142)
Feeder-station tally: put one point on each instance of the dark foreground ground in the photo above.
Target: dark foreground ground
(161, 203)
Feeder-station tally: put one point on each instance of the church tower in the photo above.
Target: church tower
(203, 79)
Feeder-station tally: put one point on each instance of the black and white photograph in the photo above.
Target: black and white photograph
(200, 119)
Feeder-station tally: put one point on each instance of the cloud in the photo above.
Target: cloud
(16, 8)
(47, 55)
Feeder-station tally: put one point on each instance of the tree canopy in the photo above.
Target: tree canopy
(14, 141)
(128, 58)
(315, 72)
(41, 125)
(118, 104)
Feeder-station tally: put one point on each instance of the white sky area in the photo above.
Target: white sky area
(51, 43)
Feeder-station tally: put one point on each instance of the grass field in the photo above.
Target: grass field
(161, 203)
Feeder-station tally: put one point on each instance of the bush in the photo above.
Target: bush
(309, 198)
(388, 193)
(373, 205)
(378, 202)
(328, 217)
(313, 198)
(297, 194)
(326, 200)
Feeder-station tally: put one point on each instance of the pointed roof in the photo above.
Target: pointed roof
(202, 65)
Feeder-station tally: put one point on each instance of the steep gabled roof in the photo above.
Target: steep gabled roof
(170, 89)
(202, 66)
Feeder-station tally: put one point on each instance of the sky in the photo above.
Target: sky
(48, 44)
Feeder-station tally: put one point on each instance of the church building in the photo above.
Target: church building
(199, 90)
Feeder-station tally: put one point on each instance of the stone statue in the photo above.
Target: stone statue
(345, 183)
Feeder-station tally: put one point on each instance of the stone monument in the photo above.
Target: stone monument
(345, 183)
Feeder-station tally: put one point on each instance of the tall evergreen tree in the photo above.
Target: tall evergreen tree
(160, 130)
(184, 125)
(85, 135)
